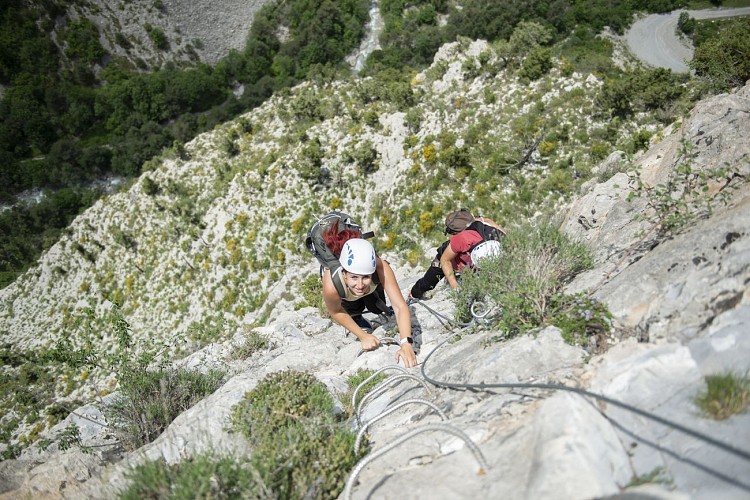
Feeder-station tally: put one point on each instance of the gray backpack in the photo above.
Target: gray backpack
(317, 245)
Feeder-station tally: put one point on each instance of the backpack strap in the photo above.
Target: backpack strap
(487, 232)
(338, 281)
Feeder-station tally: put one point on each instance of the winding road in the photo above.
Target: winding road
(653, 39)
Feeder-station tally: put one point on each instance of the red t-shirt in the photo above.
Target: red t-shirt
(461, 243)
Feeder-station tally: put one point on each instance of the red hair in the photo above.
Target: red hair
(335, 239)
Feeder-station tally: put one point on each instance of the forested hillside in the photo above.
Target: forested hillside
(73, 113)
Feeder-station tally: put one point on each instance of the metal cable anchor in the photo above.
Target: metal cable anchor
(381, 388)
(371, 377)
(478, 313)
(390, 410)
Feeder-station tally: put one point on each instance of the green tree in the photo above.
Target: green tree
(537, 64)
(137, 146)
(615, 96)
(528, 36)
(63, 168)
(82, 38)
(9, 172)
(388, 85)
(26, 118)
(685, 24)
(365, 156)
(490, 20)
(157, 36)
(588, 52)
(656, 88)
(598, 14)
(191, 90)
(659, 6)
(410, 36)
(78, 116)
(24, 47)
(724, 60)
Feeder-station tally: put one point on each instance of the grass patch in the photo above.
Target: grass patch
(535, 263)
(254, 342)
(300, 449)
(150, 400)
(353, 381)
(311, 291)
(725, 395)
(203, 476)
(657, 475)
(151, 392)
(583, 320)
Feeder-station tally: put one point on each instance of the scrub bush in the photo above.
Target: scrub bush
(299, 448)
(534, 265)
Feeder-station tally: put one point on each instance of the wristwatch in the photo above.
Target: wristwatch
(406, 340)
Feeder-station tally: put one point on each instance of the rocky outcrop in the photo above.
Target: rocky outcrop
(194, 30)
(686, 280)
(593, 426)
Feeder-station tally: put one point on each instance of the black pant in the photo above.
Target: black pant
(427, 282)
(374, 302)
(432, 276)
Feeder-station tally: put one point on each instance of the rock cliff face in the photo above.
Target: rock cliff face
(552, 421)
(194, 30)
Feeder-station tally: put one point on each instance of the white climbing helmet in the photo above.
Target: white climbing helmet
(358, 257)
(489, 248)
